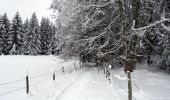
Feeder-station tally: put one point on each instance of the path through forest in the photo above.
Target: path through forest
(88, 85)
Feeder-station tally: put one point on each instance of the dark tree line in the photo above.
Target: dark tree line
(27, 38)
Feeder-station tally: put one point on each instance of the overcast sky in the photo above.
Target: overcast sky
(25, 8)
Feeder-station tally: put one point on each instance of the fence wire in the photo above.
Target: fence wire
(11, 82)
(41, 75)
(123, 88)
(23, 79)
(1, 94)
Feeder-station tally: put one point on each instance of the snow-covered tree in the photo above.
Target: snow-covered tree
(1, 28)
(165, 37)
(47, 30)
(54, 40)
(17, 33)
(46, 38)
(111, 29)
(33, 37)
(26, 30)
(6, 35)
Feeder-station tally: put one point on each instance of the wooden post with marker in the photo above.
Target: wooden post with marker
(129, 85)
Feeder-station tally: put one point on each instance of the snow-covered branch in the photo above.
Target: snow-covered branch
(150, 25)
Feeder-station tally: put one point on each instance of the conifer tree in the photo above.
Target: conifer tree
(26, 30)
(17, 32)
(54, 40)
(5, 35)
(45, 36)
(33, 36)
(1, 28)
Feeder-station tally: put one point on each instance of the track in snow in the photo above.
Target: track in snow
(86, 84)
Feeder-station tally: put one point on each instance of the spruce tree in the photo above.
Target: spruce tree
(5, 35)
(1, 28)
(17, 32)
(45, 36)
(33, 36)
(25, 38)
(54, 40)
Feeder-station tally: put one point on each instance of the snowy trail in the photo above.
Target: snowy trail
(88, 85)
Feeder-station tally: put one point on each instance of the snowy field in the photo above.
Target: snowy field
(39, 68)
(81, 84)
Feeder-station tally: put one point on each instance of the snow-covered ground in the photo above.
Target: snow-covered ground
(83, 84)
(147, 83)
(39, 68)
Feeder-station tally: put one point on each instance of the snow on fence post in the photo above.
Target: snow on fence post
(75, 66)
(27, 82)
(129, 86)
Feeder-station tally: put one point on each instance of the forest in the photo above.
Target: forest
(114, 30)
(27, 38)
(95, 31)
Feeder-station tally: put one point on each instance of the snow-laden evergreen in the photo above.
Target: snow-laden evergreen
(5, 35)
(28, 38)
(45, 36)
(26, 30)
(48, 40)
(17, 35)
(33, 37)
(54, 39)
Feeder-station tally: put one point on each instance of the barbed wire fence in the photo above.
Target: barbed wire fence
(50, 74)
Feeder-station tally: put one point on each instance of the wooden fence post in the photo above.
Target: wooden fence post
(98, 70)
(63, 69)
(111, 76)
(104, 70)
(27, 84)
(106, 74)
(110, 79)
(80, 64)
(129, 86)
(75, 66)
(70, 69)
(53, 76)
